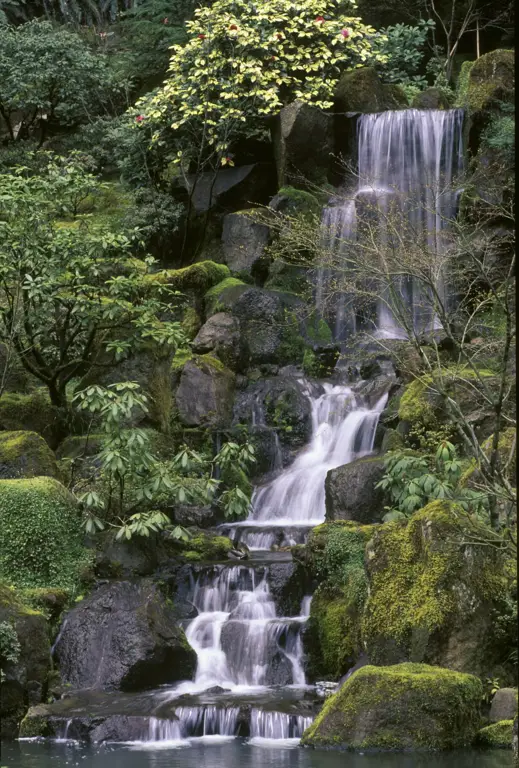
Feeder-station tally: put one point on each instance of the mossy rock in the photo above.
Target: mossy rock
(42, 538)
(196, 279)
(25, 454)
(292, 201)
(204, 547)
(222, 296)
(431, 98)
(15, 377)
(361, 90)
(287, 278)
(401, 707)
(496, 736)
(27, 676)
(36, 724)
(491, 78)
(191, 323)
(432, 593)
(32, 413)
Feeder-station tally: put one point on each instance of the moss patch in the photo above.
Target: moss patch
(221, 296)
(204, 547)
(25, 454)
(42, 540)
(33, 413)
(491, 77)
(406, 706)
(197, 278)
(496, 736)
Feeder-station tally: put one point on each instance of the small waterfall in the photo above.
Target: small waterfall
(407, 163)
(277, 725)
(239, 640)
(343, 429)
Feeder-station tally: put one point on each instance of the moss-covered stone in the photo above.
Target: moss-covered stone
(35, 723)
(221, 297)
(204, 547)
(406, 706)
(496, 736)
(432, 592)
(414, 406)
(33, 413)
(25, 454)
(42, 539)
(360, 90)
(490, 78)
(291, 201)
(27, 676)
(197, 278)
(191, 323)
(431, 98)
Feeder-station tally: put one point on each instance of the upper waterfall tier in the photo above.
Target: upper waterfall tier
(408, 164)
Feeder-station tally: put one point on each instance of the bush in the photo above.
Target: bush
(41, 534)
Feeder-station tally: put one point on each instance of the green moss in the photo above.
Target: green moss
(182, 355)
(301, 201)
(287, 278)
(42, 540)
(496, 736)
(33, 413)
(406, 706)
(35, 724)
(191, 323)
(26, 454)
(418, 582)
(204, 547)
(292, 347)
(218, 297)
(491, 77)
(319, 332)
(197, 278)
(463, 84)
(414, 405)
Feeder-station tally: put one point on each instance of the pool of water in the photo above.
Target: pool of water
(234, 753)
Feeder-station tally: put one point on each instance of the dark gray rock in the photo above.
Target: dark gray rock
(504, 705)
(221, 336)
(120, 728)
(351, 493)
(244, 241)
(431, 98)
(205, 394)
(201, 517)
(261, 315)
(287, 587)
(124, 636)
(232, 186)
(303, 144)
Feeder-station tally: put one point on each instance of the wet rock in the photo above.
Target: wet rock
(201, 517)
(120, 728)
(325, 689)
(124, 636)
(205, 393)
(351, 493)
(431, 98)
(220, 335)
(303, 142)
(244, 241)
(287, 587)
(407, 706)
(504, 705)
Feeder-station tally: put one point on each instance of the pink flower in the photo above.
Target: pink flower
(233, 26)
(345, 33)
(201, 37)
(165, 21)
(139, 118)
(320, 19)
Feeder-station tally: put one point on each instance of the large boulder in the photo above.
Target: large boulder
(361, 90)
(288, 587)
(431, 98)
(231, 186)
(32, 413)
(504, 705)
(433, 594)
(124, 636)
(303, 144)
(205, 394)
(351, 492)
(26, 661)
(220, 335)
(42, 543)
(496, 736)
(25, 454)
(407, 706)
(244, 241)
(490, 79)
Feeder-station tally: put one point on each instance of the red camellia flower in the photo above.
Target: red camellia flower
(201, 37)
(320, 19)
(139, 118)
(165, 21)
(233, 26)
(279, 36)
(345, 32)
(273, 58)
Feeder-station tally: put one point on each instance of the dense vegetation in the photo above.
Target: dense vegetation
(159, 246)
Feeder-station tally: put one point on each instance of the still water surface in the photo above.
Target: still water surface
(231, 754)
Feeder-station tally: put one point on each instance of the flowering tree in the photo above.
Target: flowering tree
(242, 63)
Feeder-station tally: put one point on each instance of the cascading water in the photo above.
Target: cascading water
(407, 162)
(343, 429)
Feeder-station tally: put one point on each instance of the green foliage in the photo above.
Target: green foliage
(69, 83)
(10, 647)
(499, 135)
(412, 481)
(41, 534)
(70, 291)
(242, 63)
(403, 48)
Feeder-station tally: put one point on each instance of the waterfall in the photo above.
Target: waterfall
(343, 429)
(408, 161)
(277, 725)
